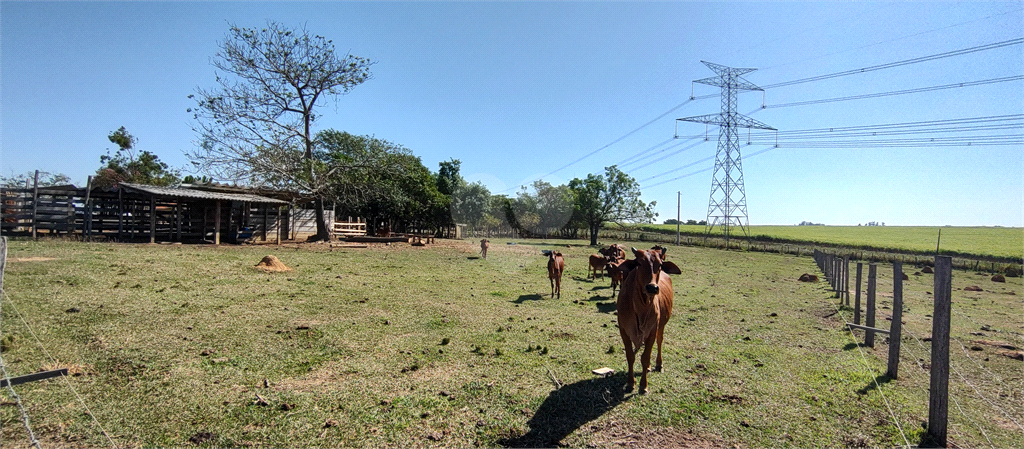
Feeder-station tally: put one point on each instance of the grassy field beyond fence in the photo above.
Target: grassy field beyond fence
(400, 346)
(978, 241)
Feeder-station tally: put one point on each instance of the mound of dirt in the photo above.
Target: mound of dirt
(272, 263)
(972, 288)
(998, 278)
(927, 269)
(807, 277)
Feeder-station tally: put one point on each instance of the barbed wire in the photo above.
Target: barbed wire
(927, 380)
(21, 406)
(953, 397)
(54, 361)
(874, 379)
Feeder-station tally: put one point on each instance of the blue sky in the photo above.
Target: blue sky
(516, 90)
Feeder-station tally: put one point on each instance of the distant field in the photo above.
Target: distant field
(980, 241)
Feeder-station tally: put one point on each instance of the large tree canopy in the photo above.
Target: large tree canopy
(125, 166)
(547, 210)
(382, 181)
(613, 197)
(256, 127)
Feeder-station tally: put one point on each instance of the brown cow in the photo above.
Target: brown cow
(484, 244)
(644, 307)
(614, 252)
(617, 272)
(660, 249)
(597, 264)
(556, 264)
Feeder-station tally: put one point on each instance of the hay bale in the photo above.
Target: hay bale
(807, 277)
(272, 263)
(998, 278)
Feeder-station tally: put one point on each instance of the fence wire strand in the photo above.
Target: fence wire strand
(54, 361)
(955, 401)
(21, 407)
(875, 380)
(956, 432)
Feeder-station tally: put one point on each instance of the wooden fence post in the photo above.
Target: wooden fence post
(216, 225)
(846, 278)
(35, 205)
(836, 276)
(869, 320)
(896, 328)
(856, 301)
(938, 390)
(152, 219)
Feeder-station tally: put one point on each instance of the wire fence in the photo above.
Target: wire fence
(8, 381)
(984, 402)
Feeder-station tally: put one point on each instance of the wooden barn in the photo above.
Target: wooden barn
(143, 213)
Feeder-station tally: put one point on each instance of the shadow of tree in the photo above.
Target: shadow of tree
(473, 257)
(882, 379)
(568, 409)
(530, 297)
(598, 298)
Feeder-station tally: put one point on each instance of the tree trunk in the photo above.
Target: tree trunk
(593, 234)
(322, 232)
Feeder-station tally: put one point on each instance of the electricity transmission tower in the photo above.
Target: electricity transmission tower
(727, 205)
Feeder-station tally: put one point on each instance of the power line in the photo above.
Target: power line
(889, 65)
(1007, 139)
(623, 137)
(897, 38)
(965, 124)
(899, 92)
(654, 161)
(643, 152)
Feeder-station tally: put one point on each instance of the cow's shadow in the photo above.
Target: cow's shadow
(532, 297)
(607, 307)
(569, 408)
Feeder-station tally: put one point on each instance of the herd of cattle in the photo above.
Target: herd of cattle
(644, 304)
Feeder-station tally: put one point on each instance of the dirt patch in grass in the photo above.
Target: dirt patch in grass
(31, 259)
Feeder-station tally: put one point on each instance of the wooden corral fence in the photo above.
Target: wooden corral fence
(349, 228)
(836, 271)
(140, 213)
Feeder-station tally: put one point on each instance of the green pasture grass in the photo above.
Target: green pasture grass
(977, 241)
(400, 346)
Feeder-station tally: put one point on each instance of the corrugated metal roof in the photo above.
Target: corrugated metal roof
(177, 192)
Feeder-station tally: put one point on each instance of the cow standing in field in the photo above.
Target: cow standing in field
(644, 307)
(597, 264)
(556, 264)
(614, 252)
(484, 244)
(617, 272)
